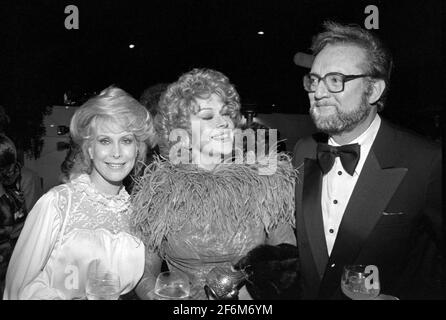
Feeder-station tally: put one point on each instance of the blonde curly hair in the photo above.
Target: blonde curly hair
(178, 102)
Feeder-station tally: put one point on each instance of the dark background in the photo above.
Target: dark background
(41, 60)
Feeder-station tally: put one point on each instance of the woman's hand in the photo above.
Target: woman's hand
(144, 289)
(152, 267)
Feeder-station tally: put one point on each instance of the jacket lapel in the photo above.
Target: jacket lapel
(374, 189)
(312, 213)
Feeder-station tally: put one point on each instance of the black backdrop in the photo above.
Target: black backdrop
(41, 59)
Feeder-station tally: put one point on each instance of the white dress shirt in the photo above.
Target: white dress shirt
(338, 185)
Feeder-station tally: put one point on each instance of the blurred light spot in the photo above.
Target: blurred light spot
(131, 46)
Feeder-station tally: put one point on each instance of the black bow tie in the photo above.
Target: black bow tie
(348, 153)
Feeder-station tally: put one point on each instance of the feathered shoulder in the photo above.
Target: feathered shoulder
(169, 195)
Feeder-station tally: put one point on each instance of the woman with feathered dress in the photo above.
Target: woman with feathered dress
(193, 208)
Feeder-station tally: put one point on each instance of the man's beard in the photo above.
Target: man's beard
(341, 121)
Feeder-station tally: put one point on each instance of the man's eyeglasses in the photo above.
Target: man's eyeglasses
(334, 81)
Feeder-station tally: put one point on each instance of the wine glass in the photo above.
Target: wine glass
(358, 283)
(101, 283)
(171, 285)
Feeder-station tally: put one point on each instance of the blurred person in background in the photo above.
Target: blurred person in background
(13, 209)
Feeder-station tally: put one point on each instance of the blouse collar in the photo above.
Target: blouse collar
(83, 183)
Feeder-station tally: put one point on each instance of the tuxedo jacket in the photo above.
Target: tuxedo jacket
(394, 218)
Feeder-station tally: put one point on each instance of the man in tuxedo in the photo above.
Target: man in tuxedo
(369, 192)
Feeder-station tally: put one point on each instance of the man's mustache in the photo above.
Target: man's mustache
(323, 104)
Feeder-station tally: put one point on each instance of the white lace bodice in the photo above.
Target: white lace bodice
(91, 209)
(70, 227)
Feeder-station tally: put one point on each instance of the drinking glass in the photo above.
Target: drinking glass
(171, 285)
(357, 285)
(102, 284)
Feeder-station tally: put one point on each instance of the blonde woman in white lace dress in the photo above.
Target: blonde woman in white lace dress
(86, 219)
